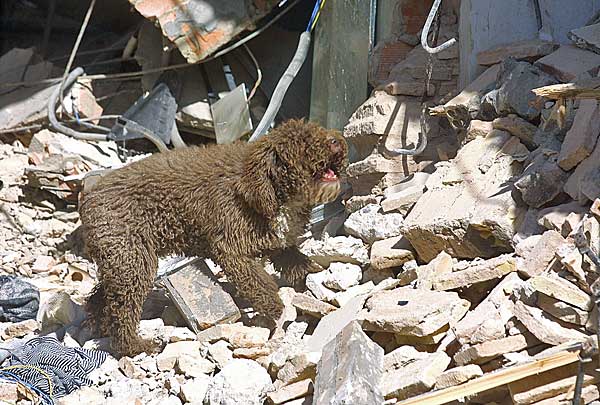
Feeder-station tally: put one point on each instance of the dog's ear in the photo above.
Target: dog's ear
(257, 186)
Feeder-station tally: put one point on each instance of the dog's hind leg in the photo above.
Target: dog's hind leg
(126, 279)
(293, 265)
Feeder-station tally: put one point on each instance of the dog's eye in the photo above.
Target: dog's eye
(333, 141)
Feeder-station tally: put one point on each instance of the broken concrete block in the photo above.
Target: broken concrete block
(544, 328)
(515, 82)
(190, 286)
(518, 127)
(557, 287)
(370, 225)
(299, 367)
(345, 249)
(19, 329)
(290, 392)
(350, 369)
(488, 320)
(220, 353)
(401, 356)
(194, 367)
(167, 359)
(342, 298)
(461, 108)
(334, 322)
(486, 270)
(583, 184)
(561, 310)
(477, 129)
(483, 352)
(402, 201)
(439, 266)
(315, 282)
(548, 384)
(406, 311)
(240, 382)
(239, 335)
(582, 136)
(562, 218)
(569, 63)
(342, 276)
(418, 179)
(536, 260)
(414, 377)
(522, 50)
(457, 375)
(542, 180)
(570, 257)
(312, 306)
(587, 37)
(392, 252)
(470, 212)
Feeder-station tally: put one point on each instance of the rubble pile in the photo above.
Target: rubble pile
(469, 259)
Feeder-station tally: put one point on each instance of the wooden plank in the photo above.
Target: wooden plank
(495, 379)
(589, 88)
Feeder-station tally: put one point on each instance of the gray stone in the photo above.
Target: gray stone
(540, 251)
(582, 136)
(518, 127)
(290, 392)
(194, 391)
(392, 252)
(467, 210)
(167, 359)
(343, 276)
(414, 377)
(241, 381)
(237, 334)
(542, 180)
(562, 218)
(220, 353)
(345, 249)
(350, 369)
(402, 201)
(528, 49)
(587, 37)
(457, 375)
(477, 272)
(516, 80)
(561, 310)
(557, 287)
(312, 306)
(370, 225)
(488, 320)
(483, 352)
(584, 184)
(569, 63)
(59, 310)
(406, 311)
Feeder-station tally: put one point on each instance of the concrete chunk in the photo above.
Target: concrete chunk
(488, 320)
(563, 290)
(391, 252)
(457, 375)
(568, 63)
(402, 201)
(542, 180)
(370, 225)
(345, 249)
(470, 212)
(483, 352)
(411, 312)
(350, 369)
(581, 138)
(487, 270)
(414, 377)
(440, 266)
(561, 310)
(478, 128)
(536, 261)
(587, 37)
(239, 335)
(518, 127)
(312, 306)
(289, 392)
(562, 218)
(528, 50)
(584, 184)
(544, 328)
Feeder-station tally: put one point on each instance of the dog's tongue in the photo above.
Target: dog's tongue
(329, 175)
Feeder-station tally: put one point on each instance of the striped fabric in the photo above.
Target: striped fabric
(68, 367)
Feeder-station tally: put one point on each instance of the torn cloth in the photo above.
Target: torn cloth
(68, 367)
(19, 300)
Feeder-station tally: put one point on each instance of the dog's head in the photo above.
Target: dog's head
(298, 162)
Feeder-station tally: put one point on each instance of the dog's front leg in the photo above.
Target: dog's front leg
(253, 283)
(293, 265)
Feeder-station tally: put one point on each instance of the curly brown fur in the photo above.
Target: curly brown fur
(233, 203)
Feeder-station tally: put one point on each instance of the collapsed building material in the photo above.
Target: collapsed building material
(350, 369)
(569, 63)
(522, 50)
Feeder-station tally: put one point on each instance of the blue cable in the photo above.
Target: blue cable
(314, 14)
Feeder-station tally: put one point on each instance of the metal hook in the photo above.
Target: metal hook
(427, 27)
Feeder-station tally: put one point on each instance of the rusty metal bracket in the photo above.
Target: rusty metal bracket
(579, 381)
(425, 33)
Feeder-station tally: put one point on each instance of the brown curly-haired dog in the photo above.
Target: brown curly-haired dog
(232, 203)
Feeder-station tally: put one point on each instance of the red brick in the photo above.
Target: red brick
(414, 14)
(155, 8)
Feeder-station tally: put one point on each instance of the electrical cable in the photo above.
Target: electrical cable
(317, 16)
(258, 73)
(312, 16)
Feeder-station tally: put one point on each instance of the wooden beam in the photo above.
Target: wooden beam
(495, 379)
(589, 88)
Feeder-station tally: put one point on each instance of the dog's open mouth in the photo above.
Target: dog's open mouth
(329, 175)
